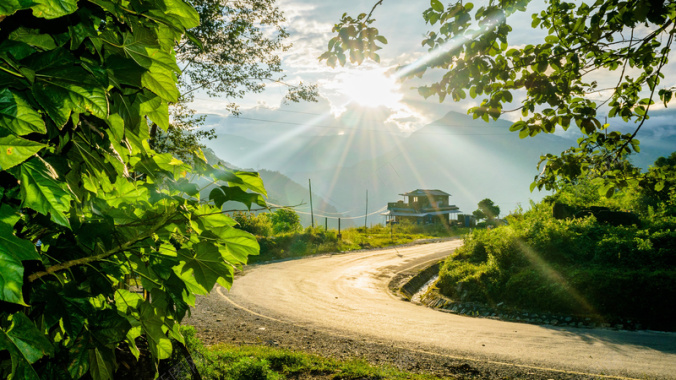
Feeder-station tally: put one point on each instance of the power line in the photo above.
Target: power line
(351, 130)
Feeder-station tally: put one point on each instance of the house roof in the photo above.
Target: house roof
(422, 193)
(422, 214)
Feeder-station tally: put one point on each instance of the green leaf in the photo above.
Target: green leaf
(224, 194)
(382, 39)
(26, 345)
(43, 192)
(437, 5)
(17, 115)
(238, 245)
(9, 243)
(124, 192)
(78, 363)
(11, 278)
(162, 82)
(212, 219)
(125, 299)
(8, 7)
(51, 9)
(156, 109)
(101, 363)
(151, 322)
(15, 150)
(206, 265)
(33, 37)
(60, 97)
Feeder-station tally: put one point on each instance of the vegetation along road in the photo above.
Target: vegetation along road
(347, 295)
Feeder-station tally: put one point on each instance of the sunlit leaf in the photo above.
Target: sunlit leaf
(15, 150)
(43, 192)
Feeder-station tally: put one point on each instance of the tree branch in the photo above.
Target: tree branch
(90, 259)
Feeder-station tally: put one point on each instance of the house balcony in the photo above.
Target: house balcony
(401, 208)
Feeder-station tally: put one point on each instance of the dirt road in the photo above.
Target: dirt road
(346, 296)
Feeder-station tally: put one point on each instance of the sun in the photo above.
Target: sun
(370, 88)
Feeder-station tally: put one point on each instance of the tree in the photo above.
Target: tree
(86, 203)
(555, 79)
(487, 210)
(233, 52)
(285, 220)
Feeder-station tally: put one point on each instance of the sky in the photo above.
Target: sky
(401, 109)
(367, 96)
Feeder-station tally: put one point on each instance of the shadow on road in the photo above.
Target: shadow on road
(664, 342)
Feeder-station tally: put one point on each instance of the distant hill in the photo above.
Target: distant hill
(468, 158)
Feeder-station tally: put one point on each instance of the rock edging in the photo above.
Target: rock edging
(501, 312)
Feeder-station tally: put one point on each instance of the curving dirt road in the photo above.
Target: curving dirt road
(347, 295)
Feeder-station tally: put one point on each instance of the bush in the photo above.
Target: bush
(255, 224)
(576, 266)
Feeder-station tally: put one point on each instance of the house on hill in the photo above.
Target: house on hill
(423, 207)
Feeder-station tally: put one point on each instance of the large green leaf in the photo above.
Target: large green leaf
(177, 12)
(224, 194)
(78, 363)
(206, 265)
(15, 150)
(8, 7)
(33, 37)
(156, 109)
(101, 363)
(151, 322)
(17, 115)
(26, 344)
(11, 278)
(162, 82)
(43, 192)
(50, 9)
(237, 245)
(125, 192)
(60, 97)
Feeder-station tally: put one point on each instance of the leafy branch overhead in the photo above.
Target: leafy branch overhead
(553, 84)
(90, 213)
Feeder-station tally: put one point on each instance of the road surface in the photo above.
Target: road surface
(347, 295)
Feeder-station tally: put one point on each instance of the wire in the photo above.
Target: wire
(351, 130)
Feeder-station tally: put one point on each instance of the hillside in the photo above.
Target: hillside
(468, 158)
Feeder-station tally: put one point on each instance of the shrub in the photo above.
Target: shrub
(573, 266)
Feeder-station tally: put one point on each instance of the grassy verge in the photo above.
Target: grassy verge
(267, 363)
(316, 240)
(576, 266)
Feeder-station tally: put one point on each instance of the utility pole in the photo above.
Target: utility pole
(339, 235)
(312, 213)
(366, 214)
(326, 224)
(392, 230)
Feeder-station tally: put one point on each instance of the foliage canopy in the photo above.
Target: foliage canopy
(553, 80)
(86, 205)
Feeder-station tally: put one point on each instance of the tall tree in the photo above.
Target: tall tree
(86, 203)
(552, 81)
(233, 52)
(488, 209)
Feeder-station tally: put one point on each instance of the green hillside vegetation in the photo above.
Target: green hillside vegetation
(280, 238)
(583, 265)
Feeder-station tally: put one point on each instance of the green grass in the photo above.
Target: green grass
(232, 362)
(316, 240)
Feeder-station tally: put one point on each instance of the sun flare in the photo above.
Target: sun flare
(370, 88)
